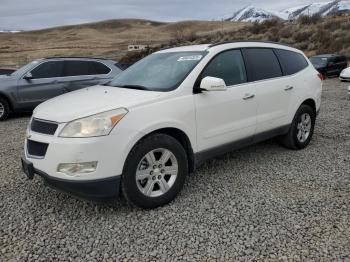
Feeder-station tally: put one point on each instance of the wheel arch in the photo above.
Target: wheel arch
(310, 102)
(8, 100)
(181, 137)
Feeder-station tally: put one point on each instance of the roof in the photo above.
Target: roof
(327, 55)
(247, 41)
(187, 48)
(239, 43)
(77, 57)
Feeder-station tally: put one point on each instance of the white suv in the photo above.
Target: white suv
(149, 127)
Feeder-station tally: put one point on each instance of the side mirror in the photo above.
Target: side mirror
(28, 76)
(209, 83)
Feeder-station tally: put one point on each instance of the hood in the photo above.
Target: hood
(92, 100)
(6, 77)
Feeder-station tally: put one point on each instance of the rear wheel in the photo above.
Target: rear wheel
(4, 109)
(154, 171)
(301, 129)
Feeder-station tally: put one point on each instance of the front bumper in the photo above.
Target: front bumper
(344, 78)
(96, 190)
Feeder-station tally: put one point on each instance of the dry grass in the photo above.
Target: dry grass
(107, 38)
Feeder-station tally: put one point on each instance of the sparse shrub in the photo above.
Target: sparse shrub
(285, 32)
(181, 34)
(255, 28)
(307, 20)
(332, 25)
(301, 36)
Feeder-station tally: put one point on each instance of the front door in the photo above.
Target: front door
(46, 83)
(226, 116)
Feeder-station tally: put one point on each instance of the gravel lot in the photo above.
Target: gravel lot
(259, 203)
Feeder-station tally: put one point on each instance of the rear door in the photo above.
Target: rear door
(46, 83)
(273, 91)
(226, 116)
(84, 73)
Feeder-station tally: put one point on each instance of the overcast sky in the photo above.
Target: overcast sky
(36, 14)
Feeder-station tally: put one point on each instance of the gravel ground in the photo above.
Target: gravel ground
(263, 202)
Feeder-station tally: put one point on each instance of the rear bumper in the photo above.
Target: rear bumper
(95, 190)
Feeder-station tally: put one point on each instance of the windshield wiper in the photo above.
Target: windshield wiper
(137, 87)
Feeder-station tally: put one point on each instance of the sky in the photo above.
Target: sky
(37, 14)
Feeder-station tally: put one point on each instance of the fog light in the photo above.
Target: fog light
(72, 169)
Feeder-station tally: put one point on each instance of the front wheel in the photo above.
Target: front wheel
(154, 171)
(4, 109)
(301, 129)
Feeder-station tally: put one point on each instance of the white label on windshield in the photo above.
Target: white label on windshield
(190, 58)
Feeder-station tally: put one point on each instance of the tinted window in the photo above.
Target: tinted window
(229, 66)
(76, 68)
(48, 70)
(340, 59)
(97, 68)
(318, 61)
(262, 64)
(291, 62)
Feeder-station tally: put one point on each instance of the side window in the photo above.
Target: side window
(48, 70)
(262, 64)
(229, 66)
(76, 68)
(291, 62)
(97, 68)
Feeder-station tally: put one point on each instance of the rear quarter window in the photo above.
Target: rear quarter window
(291, 62)
(97, 68)
(262, 63)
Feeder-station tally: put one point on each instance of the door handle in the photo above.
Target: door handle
(287, 88)
(248, 96)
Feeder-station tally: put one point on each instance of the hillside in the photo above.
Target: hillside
(313, 35)
(107, 38)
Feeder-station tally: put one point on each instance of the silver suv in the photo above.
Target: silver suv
(46, 78)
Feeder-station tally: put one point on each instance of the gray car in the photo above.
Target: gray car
(46, 78)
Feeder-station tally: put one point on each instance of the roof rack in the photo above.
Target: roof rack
(78, 57)
(247, 41)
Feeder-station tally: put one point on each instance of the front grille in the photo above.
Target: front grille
(43, 127)
(36, 149)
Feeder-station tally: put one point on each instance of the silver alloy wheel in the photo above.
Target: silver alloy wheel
(304, 127)
(156, 173)
(2, 109)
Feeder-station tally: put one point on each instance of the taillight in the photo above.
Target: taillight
(320, 76)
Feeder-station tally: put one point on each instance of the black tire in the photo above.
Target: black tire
(130, 186)
(4, 105)
(290, 140)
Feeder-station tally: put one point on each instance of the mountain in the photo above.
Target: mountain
(252, 14)
(9, 31)
(322, 8)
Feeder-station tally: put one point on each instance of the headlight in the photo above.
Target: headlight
(96, 125)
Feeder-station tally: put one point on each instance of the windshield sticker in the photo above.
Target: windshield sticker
(324, 59)
(190, 58)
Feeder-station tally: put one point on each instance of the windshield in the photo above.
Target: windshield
(21, 71)
(159, 71)
(318, 60)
